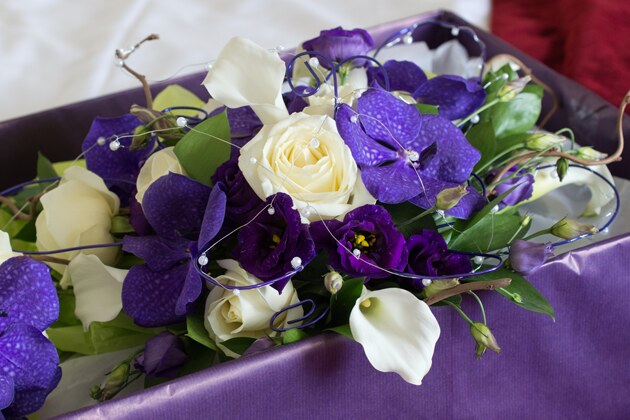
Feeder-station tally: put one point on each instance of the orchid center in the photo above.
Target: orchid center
(412, 155)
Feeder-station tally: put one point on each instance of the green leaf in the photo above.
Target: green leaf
(520, 292)
(28, 233)
(175, 95)
(121, 225)
(239, 344)
(403, 212)
(197, 331)
(492, 232)
(201, 152)
(462, 225)
(101, 337)
(481, 137)
(45, 169)
(294, 335)
(511, 141)
(518, 115)
(342, 302)
(427, 109)
(343, 330)
(60, 167)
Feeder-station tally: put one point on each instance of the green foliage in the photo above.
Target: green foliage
(175, 95)
(239, 344)
(197, 331)
(518, 115)
(203, 149)
(427, 109)
(520, 292)
(343, 330)
(403, 212)
(481, 137)
(293, 336)
(492, 232)
(342, 302)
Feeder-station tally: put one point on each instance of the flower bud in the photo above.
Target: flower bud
(484, 338)
(449, 197)
(526, 257)
(115, 382)
(590, 153)
(543, 141)
(333, 282)
(569, 229)
(562, 166)
(511, 89)
(437, 286)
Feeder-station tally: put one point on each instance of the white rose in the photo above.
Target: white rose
(247, 314)
(78, 212)
(97, 288)
(6, 251)
(305, 157)
(159, 164)
(323, 102)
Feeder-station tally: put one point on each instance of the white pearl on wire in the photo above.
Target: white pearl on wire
(296, 262)
(426, 282)
(182, 122)
(101, 141)
(114, 145)
(202, 260)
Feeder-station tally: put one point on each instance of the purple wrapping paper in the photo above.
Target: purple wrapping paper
(576, 367)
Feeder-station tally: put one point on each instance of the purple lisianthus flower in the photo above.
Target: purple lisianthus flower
(403, 154)
(339, 44)
(29, 363)
(363, 244)
(185, 215)
(119, 168)
(163, 355)
(523, 191)
(241, 198)
(429, 256)
(527, 257)
(455, 96)
(267, 246)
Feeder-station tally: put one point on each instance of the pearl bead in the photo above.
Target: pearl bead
(356, 253)
(101, 141)
(253, 160)
(408, 39)
(426, 282)
(474, 119)
(114, 145)
(271, 211)
(202, 260)
(354, 119)
(478, 260)
(455, 31)
(182, 122)
(296, 262)
(236, 292)
(313, 62)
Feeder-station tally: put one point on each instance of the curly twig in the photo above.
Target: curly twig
(16, 211)
(123, 54)
(465, 287)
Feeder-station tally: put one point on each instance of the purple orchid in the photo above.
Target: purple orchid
(455, 96)
(429, 256)
(29, 363)
(163, 355)
(242, 201)
(340, 44)
(119, 168)
(523, 191)
(268, 247)
(186, 215)
(405, 155)
(244, 124)
(527, 257)
(364, 244)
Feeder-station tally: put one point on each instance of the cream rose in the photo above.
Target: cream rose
(159, 164)
(6, 251)
(305, 157)
(248, 313)
(78, 212)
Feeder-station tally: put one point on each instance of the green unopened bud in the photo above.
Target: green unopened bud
(115, 381)
(432, 288)
(569, 229)
(449, 197)
(590, 153)
(484, 338)
(543, 141)
(525, 221)
(562, 166)
(333, 282)
(511, 89)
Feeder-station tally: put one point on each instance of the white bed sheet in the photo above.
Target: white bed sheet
(54, 52)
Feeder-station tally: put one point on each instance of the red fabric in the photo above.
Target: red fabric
(586, 40)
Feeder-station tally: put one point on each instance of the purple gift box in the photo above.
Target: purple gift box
(575, 367)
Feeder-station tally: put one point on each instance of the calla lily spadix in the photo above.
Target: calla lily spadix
(398, 332)
(246, 74)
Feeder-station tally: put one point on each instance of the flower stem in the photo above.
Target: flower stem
(479, 111)
(537, 234)
(459, 311)
(418, 217)
(483, 312)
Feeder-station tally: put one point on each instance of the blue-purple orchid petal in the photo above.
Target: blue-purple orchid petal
(123, 164)
(402, 75)
(158, 253)
(340, 44)
(454, 96)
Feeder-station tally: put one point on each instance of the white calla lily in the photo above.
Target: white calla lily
(546, 180)
(6, 251)
(97, 288)
(398, 332)
(247, 74)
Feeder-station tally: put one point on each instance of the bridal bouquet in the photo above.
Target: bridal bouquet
(337, 188)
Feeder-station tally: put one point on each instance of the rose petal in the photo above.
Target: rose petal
(398, 332)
